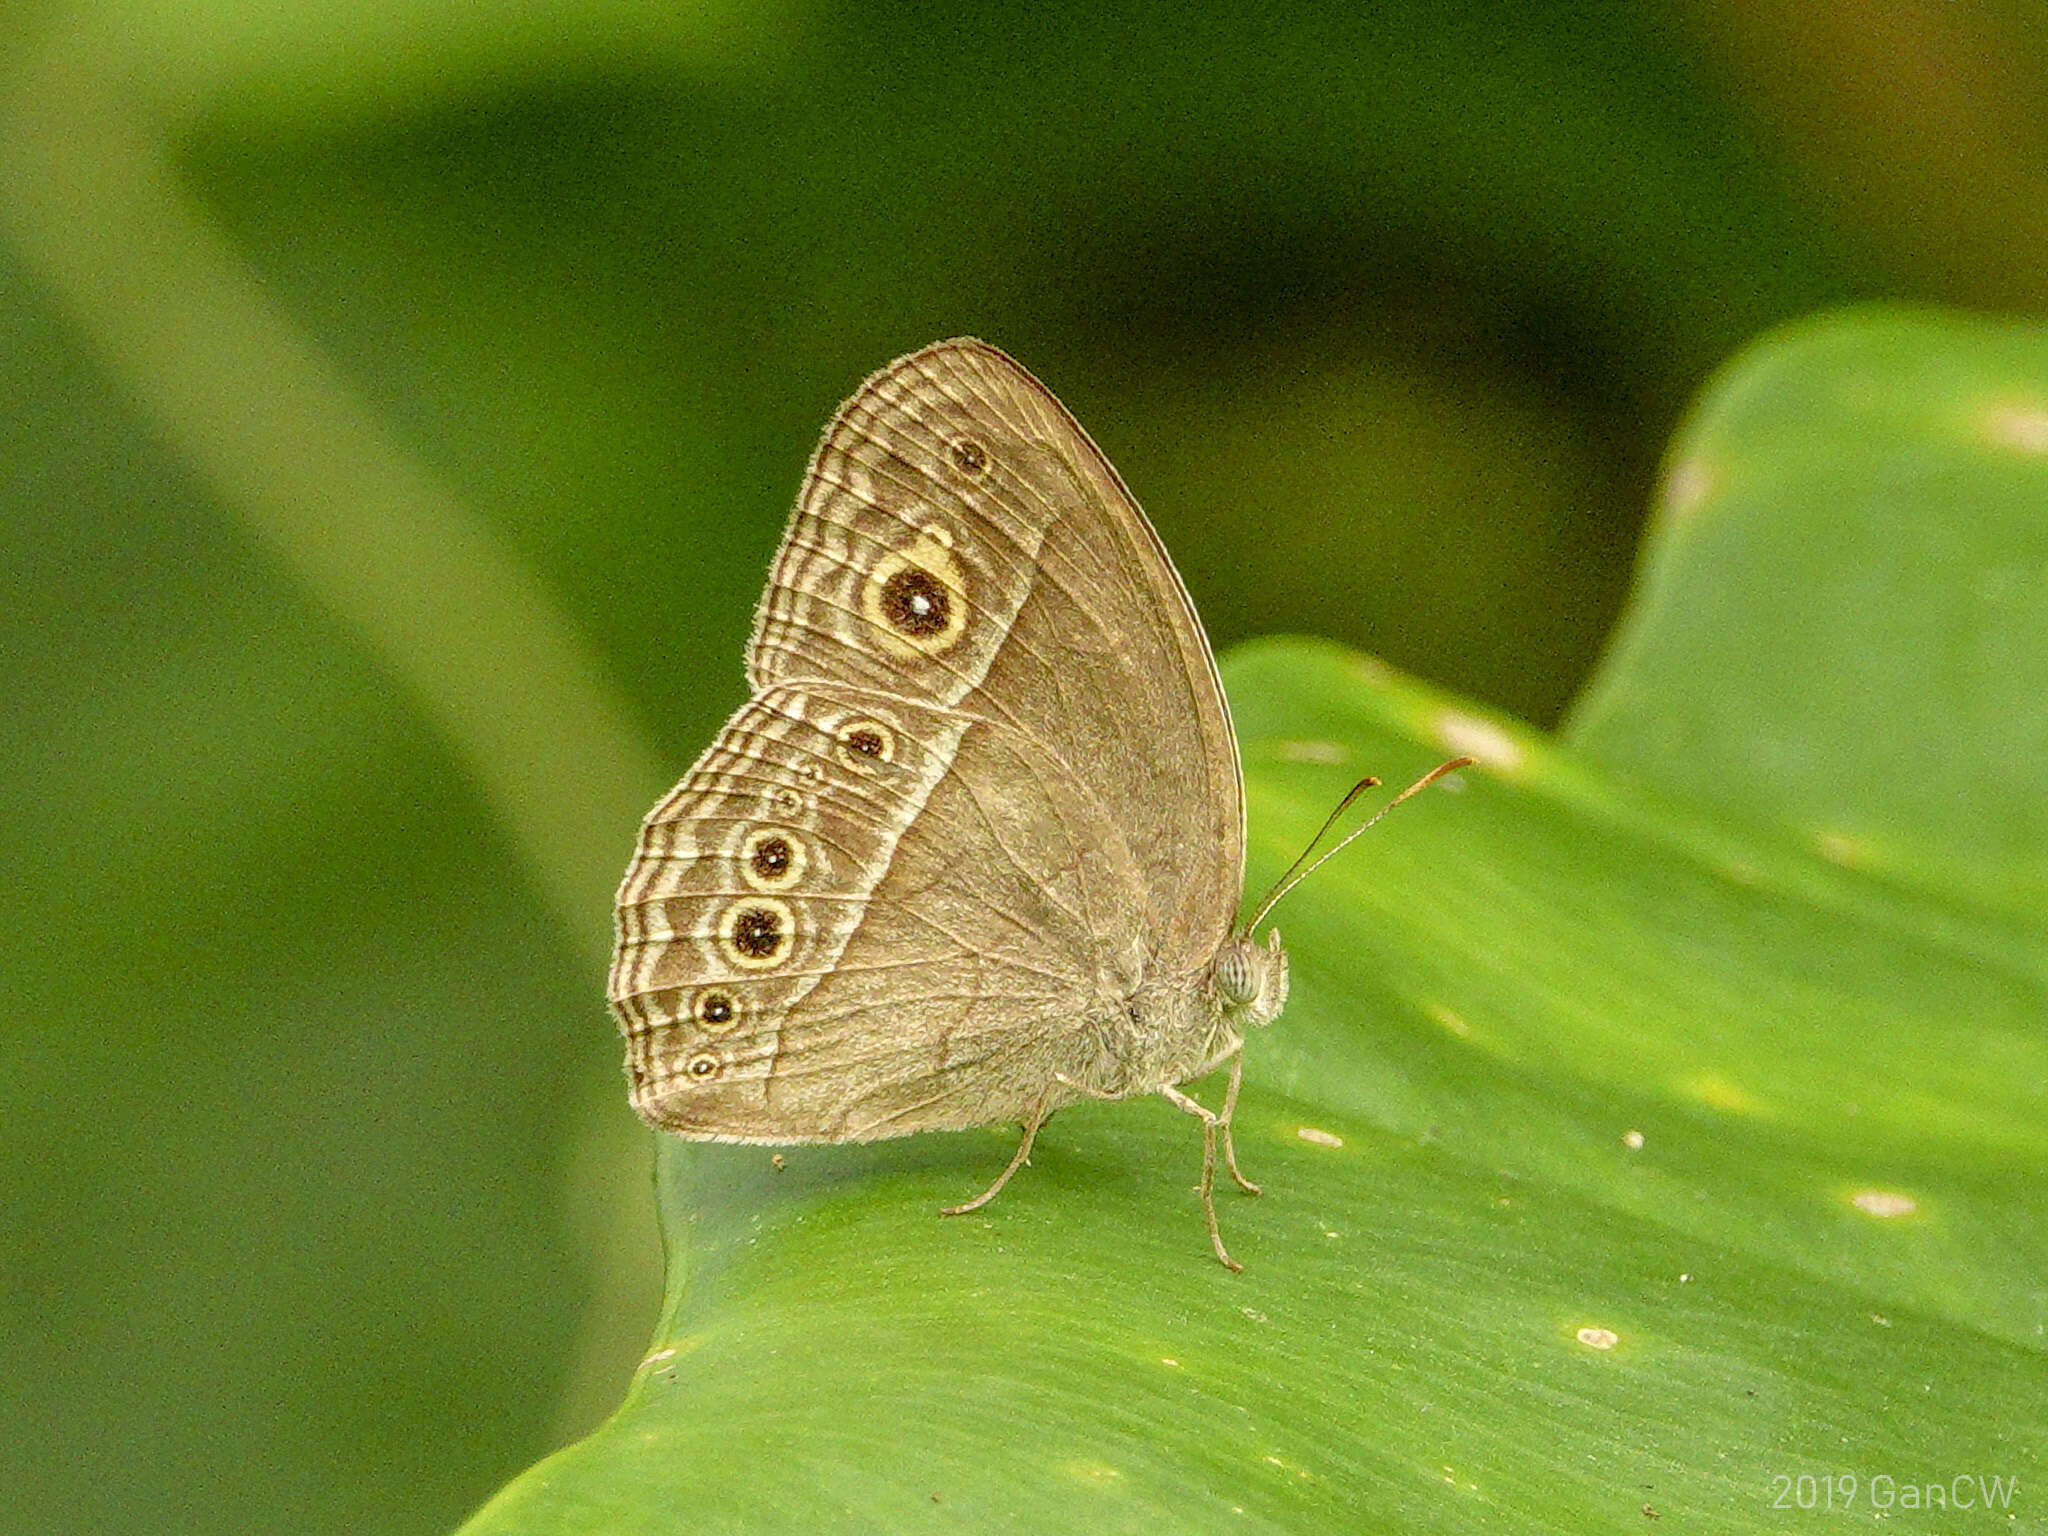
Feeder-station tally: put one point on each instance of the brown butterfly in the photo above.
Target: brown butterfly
(974, 849)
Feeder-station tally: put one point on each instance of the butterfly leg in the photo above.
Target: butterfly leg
(1229, 1111)
(1210, 1120)
(1023, 1156)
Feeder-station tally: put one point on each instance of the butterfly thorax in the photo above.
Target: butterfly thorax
(1171, 1032)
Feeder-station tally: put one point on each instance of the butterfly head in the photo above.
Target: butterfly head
(1251, 979)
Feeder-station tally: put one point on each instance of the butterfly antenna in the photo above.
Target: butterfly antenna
(1301, 869)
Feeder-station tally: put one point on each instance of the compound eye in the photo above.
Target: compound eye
(1236, 978)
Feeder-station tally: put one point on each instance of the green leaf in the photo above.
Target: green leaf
(1842, 625)
(1659, 1119)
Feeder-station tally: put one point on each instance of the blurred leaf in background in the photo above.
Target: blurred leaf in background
(404, 402)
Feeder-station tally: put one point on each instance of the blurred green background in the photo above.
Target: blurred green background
(402, 404)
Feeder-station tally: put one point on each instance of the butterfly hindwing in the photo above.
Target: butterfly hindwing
(982, 943)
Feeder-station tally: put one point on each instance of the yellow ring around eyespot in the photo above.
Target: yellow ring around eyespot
(783, 800)
(932, 556)
(862, 762)
(728, 930)
(717, 1026)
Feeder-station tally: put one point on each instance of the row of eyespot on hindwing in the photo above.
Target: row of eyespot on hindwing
(757, 932)
(917, 603)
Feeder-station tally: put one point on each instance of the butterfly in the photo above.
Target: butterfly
(974, 849)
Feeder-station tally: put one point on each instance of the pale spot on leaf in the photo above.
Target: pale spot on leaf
(1598, 1338)
(1633, 1140)
(662, 1361)
(1718, 1092)
(2023, 427)
(1884, 1203)
(1494, 745)
(1097, 1473)
(1318, 1138)
(1284, 1466)
(1371, 669)
(1306, 751)
(1687, 487)
(1840, 848)
(1448, 1019)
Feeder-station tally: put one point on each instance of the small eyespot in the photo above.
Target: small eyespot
(715, 1009)
(969, 457)
(756, 932)
(772, 859)
(703, 1065)
(783, 801)
(863, 743)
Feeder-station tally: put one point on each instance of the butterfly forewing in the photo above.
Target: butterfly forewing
(917, 534)
(955, 481)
